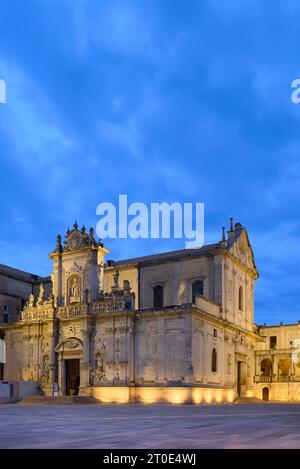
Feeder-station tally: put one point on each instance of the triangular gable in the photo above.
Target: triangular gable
(241, 249)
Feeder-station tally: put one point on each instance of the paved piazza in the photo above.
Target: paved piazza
(157, 426)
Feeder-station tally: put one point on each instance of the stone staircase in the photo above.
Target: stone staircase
(249, 400)
(59, 400)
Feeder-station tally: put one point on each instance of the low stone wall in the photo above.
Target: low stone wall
(15, 390)
(5, 392)
(28, 388)
(166, 395)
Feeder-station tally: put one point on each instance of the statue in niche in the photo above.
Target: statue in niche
(74, 291)
(117, 345)
(229, 364)
(99, 373)
(126, 286)
(45, 375)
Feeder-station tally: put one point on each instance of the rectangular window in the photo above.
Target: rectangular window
(5, 318)
(197, 289)
(273, 341)
(215, 333)
(5, 308)
(158, 296)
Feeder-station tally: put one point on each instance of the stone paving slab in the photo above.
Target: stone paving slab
(150, 426)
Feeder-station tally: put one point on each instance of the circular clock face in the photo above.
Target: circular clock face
(75, 241)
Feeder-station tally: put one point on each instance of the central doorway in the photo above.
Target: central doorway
(72, 376)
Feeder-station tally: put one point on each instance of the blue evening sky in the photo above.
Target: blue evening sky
(162, 100)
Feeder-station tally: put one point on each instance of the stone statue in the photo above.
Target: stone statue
(45, 375)
(41, 294)
(50, 299)
(41, 291)
(116, 279)
(126, 286)
(74, 291)
(75, 288)
(229, 364)
(31, 300)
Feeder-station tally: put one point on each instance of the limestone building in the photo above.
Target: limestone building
(174, 327)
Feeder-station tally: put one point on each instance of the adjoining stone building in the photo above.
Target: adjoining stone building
(175, 327)
(277, 363)
(15, 287)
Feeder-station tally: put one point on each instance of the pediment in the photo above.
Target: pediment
(242, 250)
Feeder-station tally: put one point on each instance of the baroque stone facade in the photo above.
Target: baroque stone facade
(176, 327)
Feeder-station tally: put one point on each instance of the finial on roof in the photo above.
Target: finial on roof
(231, 231)
(83, 230)
(58, 243)
(75, 225)
(223, 233)
(223, 242)
(238, 227)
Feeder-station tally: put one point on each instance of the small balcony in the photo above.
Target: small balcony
(276, 379)
(262, 379)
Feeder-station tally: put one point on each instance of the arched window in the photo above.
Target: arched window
(266, 367)
(197, 289)
(158, 296)
(241, 299)
(214, 360)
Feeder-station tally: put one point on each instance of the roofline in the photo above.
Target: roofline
(21, 275)
(168, 256)
(280, 325)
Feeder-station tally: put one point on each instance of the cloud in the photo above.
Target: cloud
(32, 125)
(126, 134)
(164, 102)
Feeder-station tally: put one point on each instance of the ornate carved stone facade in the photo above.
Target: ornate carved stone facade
(97, 331)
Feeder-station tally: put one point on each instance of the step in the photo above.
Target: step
(249, 400)
(59, 400)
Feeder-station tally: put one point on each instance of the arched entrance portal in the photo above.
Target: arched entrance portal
(70, 353)
(265, 394)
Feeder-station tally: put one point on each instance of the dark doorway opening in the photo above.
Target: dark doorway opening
(265, 394)
(239, 379)
(72, 377)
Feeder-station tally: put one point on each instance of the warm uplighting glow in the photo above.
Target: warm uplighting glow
(153, 395)
(148, 395)
(230, 395)
(208, 396)
(112, 394)
(197, 395)
(219, 395)
(177, 396)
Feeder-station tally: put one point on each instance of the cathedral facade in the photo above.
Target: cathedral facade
(173, 327)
